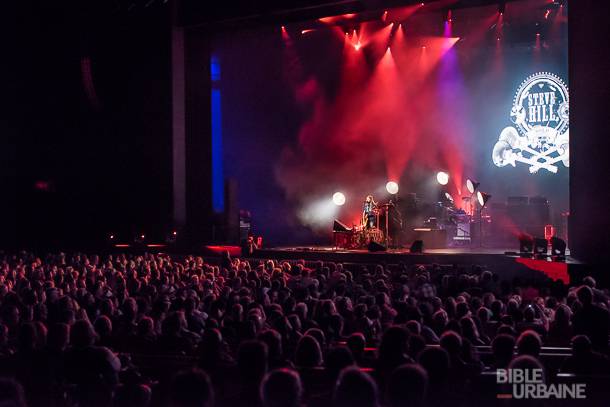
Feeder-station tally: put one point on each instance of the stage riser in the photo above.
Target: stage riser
(505, 266)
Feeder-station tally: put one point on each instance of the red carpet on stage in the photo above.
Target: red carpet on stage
(554, 270)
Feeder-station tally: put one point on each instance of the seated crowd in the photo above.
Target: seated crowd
(156, 329)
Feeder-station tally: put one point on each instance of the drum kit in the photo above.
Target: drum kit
(361, 235)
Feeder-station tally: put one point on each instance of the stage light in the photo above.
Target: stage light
(392, 187)
(442, 178)
(472, 185)
(338, 198)
(111, 237)
(357, 46)
(482, 198)
(449, 197)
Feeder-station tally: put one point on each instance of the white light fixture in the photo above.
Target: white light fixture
(338, 198)
(442, 178)
(392, 187)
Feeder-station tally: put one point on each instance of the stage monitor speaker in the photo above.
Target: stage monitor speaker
(540, 246)
(417, 246)
(526, 243)
(376, 247)
(517, 200)
(538, 200)
(339, 226)
(558, 246)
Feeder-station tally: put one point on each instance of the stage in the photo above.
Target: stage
(506, 262)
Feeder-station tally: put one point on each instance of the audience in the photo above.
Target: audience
(77, 329)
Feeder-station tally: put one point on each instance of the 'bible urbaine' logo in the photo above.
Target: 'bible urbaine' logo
(540, 137)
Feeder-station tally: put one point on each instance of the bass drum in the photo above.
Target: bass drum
(373, 235)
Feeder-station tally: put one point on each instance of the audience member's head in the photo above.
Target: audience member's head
(503, 348)
(82, 334)
(356, 343)
(281, 388)
(581, 345)
(527, 363)
(191, 388)
(337, 359)
(529, 343)
(308, 352)
(252, 360)
(273, 340)
(407, 386)
(59, 337)
(11, 393)
(585, 295)
(393, 345)
(452, 343)
(436, 363)
(355, 388)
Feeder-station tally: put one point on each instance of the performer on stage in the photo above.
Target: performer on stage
(369, 214)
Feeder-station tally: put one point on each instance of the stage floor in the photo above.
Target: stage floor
(448, 250)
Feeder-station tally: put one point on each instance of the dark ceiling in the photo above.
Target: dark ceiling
(213, 15)
(196, 12)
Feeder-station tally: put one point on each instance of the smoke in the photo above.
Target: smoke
(385, 116)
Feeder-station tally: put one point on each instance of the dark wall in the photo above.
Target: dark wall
(590, 124)
(198, 156)
(85, 154)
